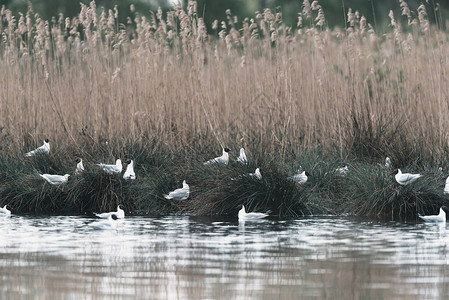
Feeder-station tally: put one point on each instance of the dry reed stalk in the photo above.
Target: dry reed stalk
(168, 78)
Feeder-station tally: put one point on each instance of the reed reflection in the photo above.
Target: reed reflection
(196, 258)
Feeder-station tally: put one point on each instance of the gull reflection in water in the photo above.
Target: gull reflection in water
(210, 258)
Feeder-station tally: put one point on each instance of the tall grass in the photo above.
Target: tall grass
(164, 90)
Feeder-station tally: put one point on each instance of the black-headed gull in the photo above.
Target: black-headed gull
(55, 179)
(446, 186)
(111, 169)
(404, 178)
(223, 159)
(129, 173)
(300, 178)
(79, 166)
(257, 175)
(109, 223)
(5, 211)
(441, 217)
(179, 194)
(388, 162)
(242, 157)
(244, 216)
(44, 149)
(343, 170)
(120, 213)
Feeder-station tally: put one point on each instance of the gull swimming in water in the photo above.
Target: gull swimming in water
(244, 216)
(109, 223)
(55, 179)
(223, 159)
(179, 194)
(300, 178)
(79, 166)
(120, 213)
(387, 162)
(111, 169)
(242, 157)
(441, 217)
(405, 178)
(129, 173)
(44, 149)
(5, 211)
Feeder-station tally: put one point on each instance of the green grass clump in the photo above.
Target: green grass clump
(372, 191)
(368, 189)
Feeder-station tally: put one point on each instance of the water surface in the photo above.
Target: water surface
(204, 258)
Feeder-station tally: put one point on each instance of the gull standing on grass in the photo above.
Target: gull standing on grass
(446, 186)
(242, 157)
(55, 179)
(223, 159)
(5, 211)
(300, 178)
(441, 217)
(109, 223)
(388, 162)
(111, 169)
(129, 173)
(120, 213)
(244, 216)
(343, 170)
(179, 194)
(256, 175)
(405, 178)
(44, 149)
(79, 166)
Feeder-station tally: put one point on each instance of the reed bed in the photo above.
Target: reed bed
(164, 92)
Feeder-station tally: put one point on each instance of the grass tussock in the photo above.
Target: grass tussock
(164, 93)
(371, 190)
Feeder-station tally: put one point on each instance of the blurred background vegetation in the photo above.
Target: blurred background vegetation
(375, 11)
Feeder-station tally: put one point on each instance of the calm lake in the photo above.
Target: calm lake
(205, 258)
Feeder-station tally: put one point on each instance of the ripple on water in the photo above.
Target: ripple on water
(204, 258)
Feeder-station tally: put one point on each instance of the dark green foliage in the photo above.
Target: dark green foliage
(372, 191)
(367, 189)
(228, 186)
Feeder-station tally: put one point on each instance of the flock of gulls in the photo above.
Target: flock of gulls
(301, 177)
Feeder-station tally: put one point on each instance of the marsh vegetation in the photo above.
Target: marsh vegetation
(168, 95)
